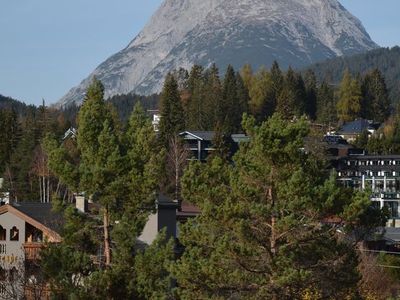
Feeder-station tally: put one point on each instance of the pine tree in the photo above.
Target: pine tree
(291, 100)
(326, 104)
(171, 111)
(259, 235)
(349, 103)
(228, 110)
(121, 172)
(243, 96)
(247, 75)
(376, 103)
(262, 95)
(196, 108)
(212, 97)
(310, 82)
(277, 79)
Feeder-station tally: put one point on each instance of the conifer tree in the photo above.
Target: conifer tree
(310, 82)
(121, 172)
(197, 116)
(229, 108)
(243, 96)
(262, 95)
(349, 103)
(326, 104)
(260, 235)
(212, 97)
(277, 79)
(101, 162)
(376, 103)
(171, 111)
(247, 75)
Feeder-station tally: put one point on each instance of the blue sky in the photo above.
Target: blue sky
(48, 46)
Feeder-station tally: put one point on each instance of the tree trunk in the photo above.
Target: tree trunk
(106, 227)
(40, 189)
(273, 222)
(176, 179)
(273, 235)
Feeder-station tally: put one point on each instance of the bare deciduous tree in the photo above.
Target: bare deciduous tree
(177, 160)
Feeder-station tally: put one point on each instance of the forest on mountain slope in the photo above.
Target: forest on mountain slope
(387, 60)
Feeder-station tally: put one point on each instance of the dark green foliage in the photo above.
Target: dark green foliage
(310, 82)
(376, 104)
(229, 108)
(326, 104)
(292, 98)
(387, 60)
(171, 111)
(260, 234)
(9, 133)
(120, 170)
(362, 140)
(350, 97)
(152, 266)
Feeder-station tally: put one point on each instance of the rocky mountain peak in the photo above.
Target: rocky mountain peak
(186, 32)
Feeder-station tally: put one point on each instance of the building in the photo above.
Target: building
(351, 130)
(378, 173)
(24, 227)
(156, 117)
(71, 133)
(200, 143)
(164, 218)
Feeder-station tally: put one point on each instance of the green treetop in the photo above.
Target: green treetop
(171, 110)
(349, 104)
(260, 234)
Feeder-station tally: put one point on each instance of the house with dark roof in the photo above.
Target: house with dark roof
(200, 143)
(24, 228)
(351, 130)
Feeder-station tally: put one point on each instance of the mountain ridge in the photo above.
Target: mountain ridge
(186, 32)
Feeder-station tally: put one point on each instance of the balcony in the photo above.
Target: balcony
(32, 250)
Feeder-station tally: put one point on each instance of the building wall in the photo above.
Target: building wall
(150, 230)
(14, 250)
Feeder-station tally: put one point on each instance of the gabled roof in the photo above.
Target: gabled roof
(39, 215)
(70, 133)
(199, 135)
(356, 127)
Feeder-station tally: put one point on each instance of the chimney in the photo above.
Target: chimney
(81, 203)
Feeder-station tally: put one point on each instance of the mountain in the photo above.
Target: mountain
(186, 32)
(387, 60)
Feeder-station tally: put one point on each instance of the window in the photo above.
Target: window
(14, 234)
(2, 233)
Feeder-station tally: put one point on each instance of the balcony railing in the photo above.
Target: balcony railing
(32, 250)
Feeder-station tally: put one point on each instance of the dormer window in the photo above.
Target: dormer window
(14, 234)
(2, 233)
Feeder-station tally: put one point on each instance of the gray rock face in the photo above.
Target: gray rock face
(186, 32)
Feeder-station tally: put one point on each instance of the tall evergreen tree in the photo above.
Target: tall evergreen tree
(212, 97)
(101, 161)
(349, 103)
(229, 108)
(376, 103)
(291, 100)
(277, 79)
(326, 104)
(247, 75)
(260, 234)
(310, 82)
(171, 111)
(262, 95)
